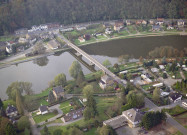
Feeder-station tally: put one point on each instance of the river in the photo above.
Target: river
(39, 72)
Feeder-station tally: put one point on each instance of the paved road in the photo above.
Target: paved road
(95, 62)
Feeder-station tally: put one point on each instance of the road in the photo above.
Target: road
(92, 60)
(169, 119)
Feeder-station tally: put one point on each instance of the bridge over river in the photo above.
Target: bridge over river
(93, 61)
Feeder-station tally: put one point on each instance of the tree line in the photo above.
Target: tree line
(15, 14)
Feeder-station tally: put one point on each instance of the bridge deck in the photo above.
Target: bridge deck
(99, 65)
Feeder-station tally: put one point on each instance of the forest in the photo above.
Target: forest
(15, 14)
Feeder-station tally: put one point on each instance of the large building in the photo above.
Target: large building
(106, 81)
(58, 92)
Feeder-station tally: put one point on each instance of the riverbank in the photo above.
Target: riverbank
(138, 35)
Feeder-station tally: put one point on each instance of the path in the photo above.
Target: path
(60, 124)
(182, 75)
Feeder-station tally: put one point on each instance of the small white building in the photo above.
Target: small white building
(11, 111)
(22, 40)
(81, 39)
(180, 22)
(170, 28)
(158, 85)
(175, 97)
(163, 94)
(146, 78)
(161, 67)
(43, 109)
(154, 70)
(79, 28)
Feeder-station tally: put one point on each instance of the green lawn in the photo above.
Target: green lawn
(40, 118)
(175, 110)
(92, 76)
(8, 102)
(65, 106)
(146, 87)
(6, 38)
(91, 131)
(131, 29)
(101, 37)
(185, 74)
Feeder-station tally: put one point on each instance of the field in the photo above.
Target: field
(8, 102)
(65, 107)
(175, 110)
(182, 119)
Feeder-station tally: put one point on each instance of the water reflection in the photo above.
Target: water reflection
(43, 61)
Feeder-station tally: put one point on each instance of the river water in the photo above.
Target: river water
(39, 72)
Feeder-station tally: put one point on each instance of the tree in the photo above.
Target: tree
(156, 95)
(3, 124)
(58, 132)
(60, 79)
(88, 91)
(51, 97)
(106, 130)
(39, 48)
(1, 104)
(123, 59)
(135, 99)
(46, 131)
(10, 130)
(116, 66)
(75, 69)
(27, 87)
(23, 123)
(106, 63)
(80, 79)
(75, 131)
(43, 61)
(19, 104)
(12, 89)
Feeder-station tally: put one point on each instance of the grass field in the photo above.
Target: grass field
(8, 102)
(65, 106)
(175, 110)
(91, 131)
(6, 38)
(40, 118)
(182, 119)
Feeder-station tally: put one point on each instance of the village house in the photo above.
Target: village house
(170, 27)
(146, 79)
(128, 22)
(73, 115)
(66, 29)
(106, 81)
(53, 25)
(118, 25)
(108, 31)
(155, 70)
(138, 22)
(22, 40)
(160, 21)
(175, 97)
(156, 28)
(79, 28)
(21, 31)
(144, 22)
(53, 45)
(58, 92)
(107, 25)
(43, 109)
(11, 111)
(81, 39)
(180, 22)
(132, 117)
(152, 22)
(9, 46)
(161, 67)
(43, 27)
(87, 37)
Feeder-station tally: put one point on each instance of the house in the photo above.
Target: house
(160, 21)
(128, 22)
(81, 39)
(138, 22)
(152, 22)
(170, 27)
(118, 25)
(175, 97)
(156, 28)
(53, 45)
(53, 25)
(43, 109)
(158, 85)
(106, 81)
(9, 49)
(79, 28)
(73, 115)
(180, 22)
(11, 111)
(58, 92)
(21, 31)
(154, 70)
(161, 67)
(144, 22)
(132, 117)
(22, 40)
(163, 94)
(66, 29)
(108, 31)
(43, 27)
(87, 37)
(146, 79)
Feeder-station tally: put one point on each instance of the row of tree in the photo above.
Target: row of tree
(25, 13)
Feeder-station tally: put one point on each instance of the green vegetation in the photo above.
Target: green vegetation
(146, 87)
(65, 106)
(8, 102)
(131, 29)
(6, 38)
(175, 111)
(41, 118)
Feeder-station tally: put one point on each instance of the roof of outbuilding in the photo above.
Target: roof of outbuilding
(174, 96)
(43, 108)
(58, 89)
(11, 109)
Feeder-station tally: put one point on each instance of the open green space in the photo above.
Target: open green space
(131, 29)
(41, 118)
(65, 106)
(6, 38)
(182, 119)
(8, 102)
(91, 131)
(147, 86)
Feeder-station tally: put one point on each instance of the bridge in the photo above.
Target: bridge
(92, 60)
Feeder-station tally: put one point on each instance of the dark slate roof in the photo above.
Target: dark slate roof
(11, 109)
(174, 96)
(43, 108)
(58, 89)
